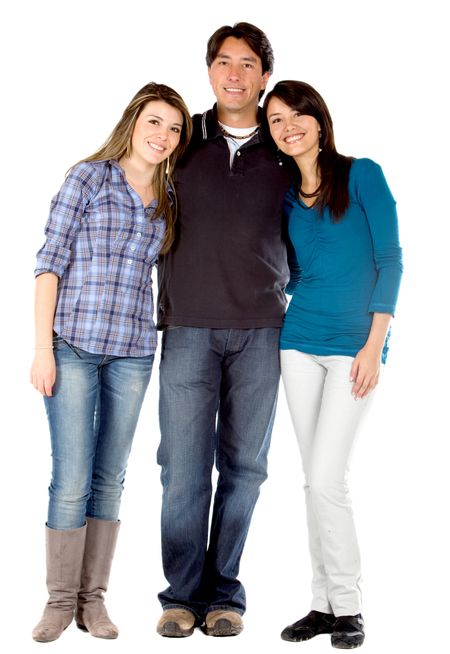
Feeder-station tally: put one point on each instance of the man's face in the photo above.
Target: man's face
(236, 76)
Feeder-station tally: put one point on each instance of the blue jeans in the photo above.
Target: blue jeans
(92, 417)
(218, 393)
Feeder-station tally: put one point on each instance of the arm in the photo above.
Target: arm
(379, 207)
(43, 370)
(53, 258)
(294, 268)
(366, 365)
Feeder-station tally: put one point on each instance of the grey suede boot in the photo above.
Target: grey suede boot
(64, 553)
(91, 614)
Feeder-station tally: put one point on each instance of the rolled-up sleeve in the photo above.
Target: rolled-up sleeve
(380, 209)
(64, 222)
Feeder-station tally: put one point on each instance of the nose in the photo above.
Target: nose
(233, 72)
(163, 133)
(290, 124)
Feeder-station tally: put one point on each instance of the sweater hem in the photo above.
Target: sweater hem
(223, 323)
(319, 350)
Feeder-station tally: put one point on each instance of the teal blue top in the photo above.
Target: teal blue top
(342, 272)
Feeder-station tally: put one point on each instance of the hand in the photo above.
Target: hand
(365, 371)
(43, 372)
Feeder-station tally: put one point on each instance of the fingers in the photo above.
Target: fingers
(43, 372)
(43, 384)
(354, 370)
(364, 384)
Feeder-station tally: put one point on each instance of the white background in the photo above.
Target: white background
(69, 70)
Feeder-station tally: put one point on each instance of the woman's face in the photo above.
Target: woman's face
(294, 133)
(156, 133)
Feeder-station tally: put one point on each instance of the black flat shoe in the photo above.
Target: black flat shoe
(311, 625)
(348, 632)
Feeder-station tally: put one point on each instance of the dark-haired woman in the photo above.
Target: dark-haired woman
(95, 343)
(345, 273)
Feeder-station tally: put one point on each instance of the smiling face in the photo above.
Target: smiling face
(156, 133)
(295, 134)
(236, 78)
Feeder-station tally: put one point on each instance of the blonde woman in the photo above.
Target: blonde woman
(95, 343)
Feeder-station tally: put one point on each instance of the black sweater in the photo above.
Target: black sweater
(228, 266)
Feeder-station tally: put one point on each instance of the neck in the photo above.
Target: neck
(309, 171)
(139, 172)
(238, 118)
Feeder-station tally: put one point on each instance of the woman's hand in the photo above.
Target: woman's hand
(43, 371)
(365, 371)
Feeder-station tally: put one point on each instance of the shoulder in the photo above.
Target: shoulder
(89, 175)
(368, 182)
(364, 167)
(291, 197)
(86, 171)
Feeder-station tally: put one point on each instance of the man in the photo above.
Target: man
(221, 305)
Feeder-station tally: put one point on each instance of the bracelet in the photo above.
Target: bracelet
(44, 347)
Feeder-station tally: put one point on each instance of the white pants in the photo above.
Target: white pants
(326, 417)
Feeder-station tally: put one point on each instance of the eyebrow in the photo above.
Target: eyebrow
(162, 119)
(275, 113)
(225, 56)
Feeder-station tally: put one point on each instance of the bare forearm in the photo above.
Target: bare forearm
(43, 369)
(378, 331)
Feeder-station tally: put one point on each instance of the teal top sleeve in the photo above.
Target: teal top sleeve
(379, 207)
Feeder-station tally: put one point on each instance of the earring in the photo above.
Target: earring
(320, 136)
(168, 165)
(280, 163)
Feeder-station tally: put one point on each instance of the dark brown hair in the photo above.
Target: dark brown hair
(334, 168)
(118, 145)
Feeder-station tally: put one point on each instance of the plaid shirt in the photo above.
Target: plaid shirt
(102, 243)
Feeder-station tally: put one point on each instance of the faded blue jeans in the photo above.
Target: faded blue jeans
(92, 416)
(218, 393)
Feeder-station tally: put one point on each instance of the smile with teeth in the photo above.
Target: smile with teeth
(155, 146)
(233, 90)
(294, 138)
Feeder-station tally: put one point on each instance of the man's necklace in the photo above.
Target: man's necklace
(238, 138)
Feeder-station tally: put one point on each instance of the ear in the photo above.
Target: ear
(209, 74)
(264, 80)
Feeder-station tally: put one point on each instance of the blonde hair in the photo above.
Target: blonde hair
(118, 145)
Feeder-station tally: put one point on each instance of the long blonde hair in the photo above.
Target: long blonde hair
(118, 145)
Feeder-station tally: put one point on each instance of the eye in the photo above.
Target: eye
(177, 130)
(153, 121)
(297, 114)
(275, 120)
(248, 65)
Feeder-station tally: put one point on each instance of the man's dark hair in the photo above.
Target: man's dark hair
(253, 36)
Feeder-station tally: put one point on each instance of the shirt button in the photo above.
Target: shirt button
(133, 247)
(139, 234)
(130, 261)
(238, 154)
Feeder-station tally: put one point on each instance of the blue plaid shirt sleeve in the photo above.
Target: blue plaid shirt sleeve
(64, 222)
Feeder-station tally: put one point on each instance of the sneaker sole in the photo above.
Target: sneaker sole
(302, 638)
(341, 641)
(173, 630)
(225, 628)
